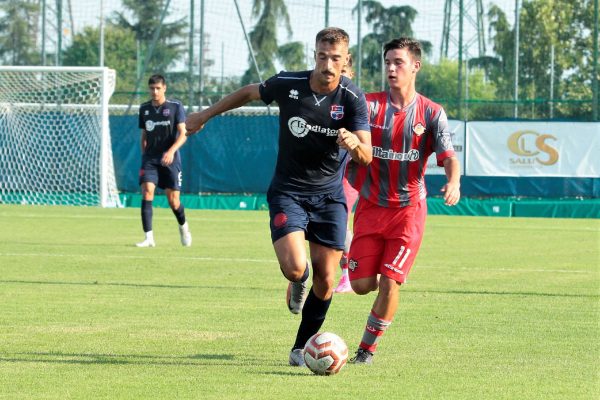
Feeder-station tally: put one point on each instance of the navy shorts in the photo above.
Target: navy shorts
(322, 217)
(165, 177)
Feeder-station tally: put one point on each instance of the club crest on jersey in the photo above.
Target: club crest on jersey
(146, 112)
(166, 112)
(293, 94)
(337, 112)
(352, 264)
(419, 129)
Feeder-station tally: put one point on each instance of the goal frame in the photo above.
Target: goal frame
(106, 92)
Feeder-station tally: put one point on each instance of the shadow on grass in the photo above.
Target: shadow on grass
(494, 293)
(131, 359)
(134, 285)
(299, 372)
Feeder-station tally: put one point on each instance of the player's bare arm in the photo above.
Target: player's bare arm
(451, 189)
(195, 121)
(358, 144)
(169, 155)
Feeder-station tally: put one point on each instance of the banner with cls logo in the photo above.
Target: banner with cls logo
(457, 131)
(562, 149)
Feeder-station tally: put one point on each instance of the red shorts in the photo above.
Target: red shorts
(386, 240)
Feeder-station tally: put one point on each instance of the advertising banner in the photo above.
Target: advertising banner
(549, 149)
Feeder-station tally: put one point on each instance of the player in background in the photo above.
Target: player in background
(351, 195)
(162, 122)
(406, 128)
(322, 122)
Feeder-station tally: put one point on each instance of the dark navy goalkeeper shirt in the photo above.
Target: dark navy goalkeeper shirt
(160, 124)
(309, 160)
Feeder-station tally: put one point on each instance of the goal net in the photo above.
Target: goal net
(54, 136)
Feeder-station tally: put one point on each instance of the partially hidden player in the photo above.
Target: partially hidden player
(351, 195)
(406, 128)
(322, 122)
(162, 122)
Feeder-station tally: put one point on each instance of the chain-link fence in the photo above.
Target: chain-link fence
(483, 60)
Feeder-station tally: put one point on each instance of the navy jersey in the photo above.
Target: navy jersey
(160, 124)
(309, 160)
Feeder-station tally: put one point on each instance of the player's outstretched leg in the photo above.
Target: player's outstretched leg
(313, 316)
(344, 283)
(375, 328)
(146, 211)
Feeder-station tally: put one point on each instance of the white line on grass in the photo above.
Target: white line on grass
(253, 260)
(273, 261)
(247, 217)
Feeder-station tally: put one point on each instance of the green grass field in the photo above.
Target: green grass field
(494, 309)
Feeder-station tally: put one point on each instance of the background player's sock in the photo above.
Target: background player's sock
(313, 316)
(180, 214)
(348, 241)
(373, 331)
(147, 215)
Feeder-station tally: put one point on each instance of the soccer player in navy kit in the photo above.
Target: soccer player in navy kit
(162, 122)
(406, 128)
(322, 122)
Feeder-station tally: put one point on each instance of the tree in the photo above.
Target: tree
(439, 81)
(119, 54)
(563, 24)
(18, 27)
(386, 23)
(145, 20)
(263, 39)
(291, 55)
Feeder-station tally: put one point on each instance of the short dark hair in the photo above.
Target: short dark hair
(412, 45)
(157, 78)
(333, 35)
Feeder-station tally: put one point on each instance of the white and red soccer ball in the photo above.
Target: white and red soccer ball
(325, 353)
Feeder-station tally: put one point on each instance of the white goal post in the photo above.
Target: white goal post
(55, 145)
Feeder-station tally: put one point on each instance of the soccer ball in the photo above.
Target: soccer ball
(325, 353)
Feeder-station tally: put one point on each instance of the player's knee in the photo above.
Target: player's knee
(174, 203)
(326, 282)
(388, 287)
(292, 274)
(147, 195)
(364, 286)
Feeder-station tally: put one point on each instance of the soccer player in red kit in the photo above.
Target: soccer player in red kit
(406, 128)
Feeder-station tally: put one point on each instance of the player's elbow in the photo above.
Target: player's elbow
(251, 92)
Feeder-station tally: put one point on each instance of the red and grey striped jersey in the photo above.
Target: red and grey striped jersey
(402, 142)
